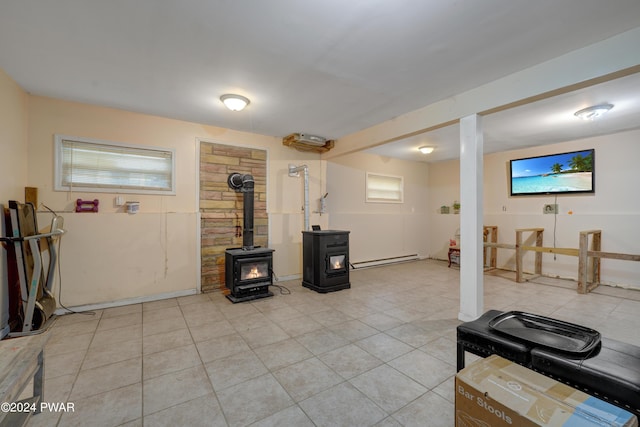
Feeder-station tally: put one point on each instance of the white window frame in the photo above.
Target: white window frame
(109, 188)
(395, 184)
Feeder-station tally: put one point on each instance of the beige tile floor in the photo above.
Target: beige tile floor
(381, 353)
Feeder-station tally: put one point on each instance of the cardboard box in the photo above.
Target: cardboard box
(495, 392)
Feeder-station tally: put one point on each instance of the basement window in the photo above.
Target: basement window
(89, 165)
(384, 188)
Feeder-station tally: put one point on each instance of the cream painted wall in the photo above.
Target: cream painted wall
(614, 208)
(13, 164)
(13, 139)
(378, 230)
(413, 227)
(285, 207)
(112, 256)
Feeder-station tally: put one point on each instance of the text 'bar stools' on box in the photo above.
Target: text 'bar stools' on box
(499, 393)
(570, 353)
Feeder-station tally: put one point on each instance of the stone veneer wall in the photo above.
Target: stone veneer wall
(221, 208)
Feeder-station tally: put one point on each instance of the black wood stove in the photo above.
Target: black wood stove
(249, 269)
(325, 260)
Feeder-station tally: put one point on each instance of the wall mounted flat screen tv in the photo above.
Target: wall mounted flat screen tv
(563, 173)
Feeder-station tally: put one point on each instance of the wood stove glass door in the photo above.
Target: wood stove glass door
(336, 264)
(252, 269)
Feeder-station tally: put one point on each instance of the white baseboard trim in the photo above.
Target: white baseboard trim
(128, 301)
(384, 261)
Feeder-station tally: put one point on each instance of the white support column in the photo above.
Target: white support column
(471, 218)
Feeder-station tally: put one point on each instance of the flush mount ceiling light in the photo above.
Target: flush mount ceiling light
(593, 112)
(234, 102)
(426, 150)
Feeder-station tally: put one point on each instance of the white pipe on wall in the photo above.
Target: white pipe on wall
(295, 172)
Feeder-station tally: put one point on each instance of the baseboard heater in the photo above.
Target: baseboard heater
(384, 261)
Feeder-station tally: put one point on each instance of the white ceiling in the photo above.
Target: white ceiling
(328, 68)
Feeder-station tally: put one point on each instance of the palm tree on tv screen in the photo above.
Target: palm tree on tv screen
(556, 168)
(581, 164)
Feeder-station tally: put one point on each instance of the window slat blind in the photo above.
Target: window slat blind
(97, 166)
(384, 188)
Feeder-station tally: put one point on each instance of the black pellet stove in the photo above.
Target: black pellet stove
(325, 260)
(249, 269)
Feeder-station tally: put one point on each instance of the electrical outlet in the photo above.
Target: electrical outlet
(551, 208)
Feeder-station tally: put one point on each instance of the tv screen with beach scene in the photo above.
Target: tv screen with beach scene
(562, 173)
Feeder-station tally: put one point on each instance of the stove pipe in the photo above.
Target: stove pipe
(244, 184)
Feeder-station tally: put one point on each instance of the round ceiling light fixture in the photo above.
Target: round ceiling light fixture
(426, 150)
(593, 112)
(234, 102)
